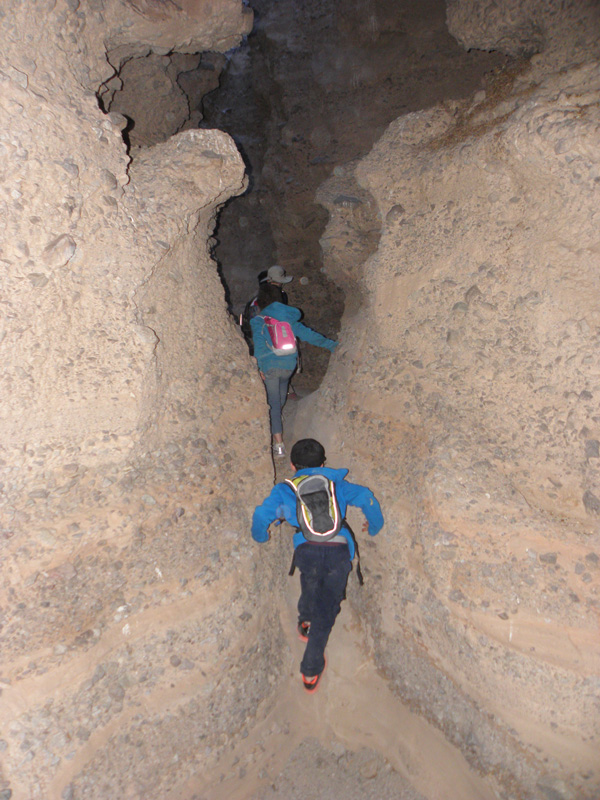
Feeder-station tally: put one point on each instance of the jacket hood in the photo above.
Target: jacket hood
(333, 474)
(281, 312)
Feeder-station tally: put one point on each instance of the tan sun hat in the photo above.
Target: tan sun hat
(276, 274)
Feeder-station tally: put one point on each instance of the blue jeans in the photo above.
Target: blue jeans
(324, 571)
(276, 384)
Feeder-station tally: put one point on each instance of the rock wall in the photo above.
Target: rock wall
(466, 395)
(138, 640)
(319, 83)
(523, 27)
(129, 416)
(158, 94)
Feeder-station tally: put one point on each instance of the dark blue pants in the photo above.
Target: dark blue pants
(324, 571)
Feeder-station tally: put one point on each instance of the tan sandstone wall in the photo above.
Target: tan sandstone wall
(466, 395)
(130, 418)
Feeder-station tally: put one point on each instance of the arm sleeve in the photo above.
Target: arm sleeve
(307, 334)
(267, 512)
(363, 498)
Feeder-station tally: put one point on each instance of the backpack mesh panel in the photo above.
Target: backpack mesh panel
(318, 505)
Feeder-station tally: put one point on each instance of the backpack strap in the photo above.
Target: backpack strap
(265, 332)
(297, 528)
(293, 564)
(359, 574)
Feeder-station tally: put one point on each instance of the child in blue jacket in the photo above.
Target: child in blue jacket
(324, 566)
(277, 370)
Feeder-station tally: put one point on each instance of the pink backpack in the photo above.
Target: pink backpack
(280, 339)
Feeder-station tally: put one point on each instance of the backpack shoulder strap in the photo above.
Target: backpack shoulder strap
(294, 488)
(359, 574)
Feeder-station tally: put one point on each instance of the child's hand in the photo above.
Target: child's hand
(365, 527)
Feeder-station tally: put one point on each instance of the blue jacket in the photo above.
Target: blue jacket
(281, 503)
(265, 357)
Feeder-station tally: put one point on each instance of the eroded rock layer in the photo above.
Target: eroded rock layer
(313, 88)
(128, 414)
(466, 394)
(140, 633)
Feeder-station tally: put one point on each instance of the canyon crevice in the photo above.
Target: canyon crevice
(431, 173)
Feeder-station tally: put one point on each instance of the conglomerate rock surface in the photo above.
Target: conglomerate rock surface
(466, 394)
(143, 654)
(311, 89)
(523, 27)
(129, 413)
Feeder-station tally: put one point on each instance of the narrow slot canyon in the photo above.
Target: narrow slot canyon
(428, 173)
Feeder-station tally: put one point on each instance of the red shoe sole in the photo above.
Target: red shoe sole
(301, 636)
(312, 688)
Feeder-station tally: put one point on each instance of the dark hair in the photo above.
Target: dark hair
(263, 276)
(267, 294)
(307, 453)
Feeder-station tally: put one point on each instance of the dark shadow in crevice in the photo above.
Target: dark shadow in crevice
(102, 92)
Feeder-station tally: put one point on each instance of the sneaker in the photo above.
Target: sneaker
(312, 684)
(278, 449)
(303, 630)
